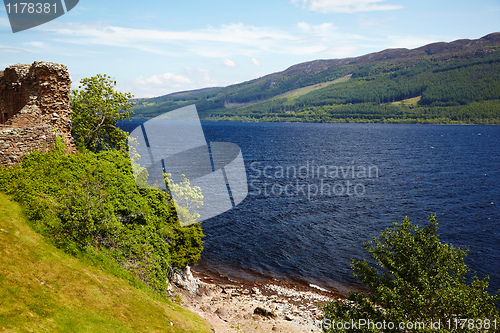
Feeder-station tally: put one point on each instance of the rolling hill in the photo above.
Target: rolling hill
(456, 82)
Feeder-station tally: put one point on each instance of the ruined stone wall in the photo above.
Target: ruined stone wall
(18, 142)
(34, 109)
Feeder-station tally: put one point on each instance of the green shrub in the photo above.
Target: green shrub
(417, 279)
(90, 200)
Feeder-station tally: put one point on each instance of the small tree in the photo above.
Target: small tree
(97, 108)
(417, 279)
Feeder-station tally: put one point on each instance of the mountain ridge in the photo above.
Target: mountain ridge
(418, 64)
(390, 53)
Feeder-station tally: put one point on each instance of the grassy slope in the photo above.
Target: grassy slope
(293, 94)
(45, 290)
(304, 91)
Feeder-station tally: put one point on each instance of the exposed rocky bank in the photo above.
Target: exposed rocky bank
(240, 306)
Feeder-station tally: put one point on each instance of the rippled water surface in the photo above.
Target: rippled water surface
(318, 191)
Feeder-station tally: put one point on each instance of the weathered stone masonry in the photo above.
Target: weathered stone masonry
(34, 109)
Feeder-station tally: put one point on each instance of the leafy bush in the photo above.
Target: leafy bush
(90, 200)
(417, 279)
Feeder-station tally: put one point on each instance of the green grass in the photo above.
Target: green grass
(410, 101)
(290, 95)
(43, 289)
(293, 94)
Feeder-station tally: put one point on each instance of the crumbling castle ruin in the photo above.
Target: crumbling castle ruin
(34, 109)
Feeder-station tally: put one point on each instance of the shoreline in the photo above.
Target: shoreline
(143, 120)
(222, 273)
(231, 305)
(253, 302)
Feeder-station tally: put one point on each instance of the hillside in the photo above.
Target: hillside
(43, 289)
(456, 82)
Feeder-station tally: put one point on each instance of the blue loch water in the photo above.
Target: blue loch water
(317, 192)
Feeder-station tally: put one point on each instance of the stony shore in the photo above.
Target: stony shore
(243, 306)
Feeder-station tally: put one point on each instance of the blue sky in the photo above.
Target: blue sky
(157, 47)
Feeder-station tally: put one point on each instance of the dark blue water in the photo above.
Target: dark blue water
(317, 192)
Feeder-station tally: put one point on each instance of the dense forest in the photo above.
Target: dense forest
(457, 82)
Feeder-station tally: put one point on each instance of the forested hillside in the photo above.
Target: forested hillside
(457, 82)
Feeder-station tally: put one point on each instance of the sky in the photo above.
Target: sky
(153, 48)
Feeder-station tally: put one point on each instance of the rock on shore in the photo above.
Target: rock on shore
(269, 307)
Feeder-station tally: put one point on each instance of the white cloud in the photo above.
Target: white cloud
(304, 26)
(199, 74)
(229, 63)
(223, 42)
(255, 62)
(167, 79)
(231, 36)
(320, 29)
(344, 6)
(163, 84)
(408, 42)
(37, 44)
(366, 21)
(342, 51)
(11, 50)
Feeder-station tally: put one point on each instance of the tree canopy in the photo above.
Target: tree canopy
(97, 108)
(417, 282)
